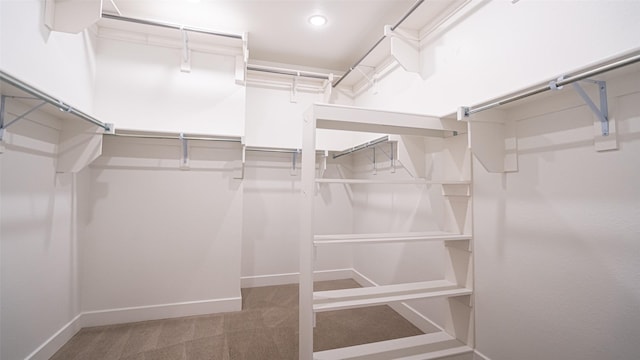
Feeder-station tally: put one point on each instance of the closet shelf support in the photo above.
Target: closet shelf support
(184, 163)
(11, 80)
(294, 160)
(603, 112)
(3, 125)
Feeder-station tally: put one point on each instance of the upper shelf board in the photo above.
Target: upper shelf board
(349, 118)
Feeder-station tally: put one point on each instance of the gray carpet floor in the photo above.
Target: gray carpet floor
(266, 329)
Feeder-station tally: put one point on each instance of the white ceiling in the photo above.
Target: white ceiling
(278, 31)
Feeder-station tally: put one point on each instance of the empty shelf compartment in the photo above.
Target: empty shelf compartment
(377, 295)
(346, 239)
(420, 347)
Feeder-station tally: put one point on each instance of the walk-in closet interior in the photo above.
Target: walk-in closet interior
(270, 180)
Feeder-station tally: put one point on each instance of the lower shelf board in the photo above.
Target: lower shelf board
(377, 295)
(420, 347)
(349, 239)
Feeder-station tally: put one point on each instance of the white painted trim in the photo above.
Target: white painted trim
(412, 315)
(269, 280)
(55, 342)
(477, 355)
(131, 314)
(293, 278)
(161, 311)
(337, 274)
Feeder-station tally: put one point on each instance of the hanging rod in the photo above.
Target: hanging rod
(366, 145)
(555, 84)
(171, 26)
(290, 72)
(176, 137)
(273, 150)
(413, 8)
(51, 100)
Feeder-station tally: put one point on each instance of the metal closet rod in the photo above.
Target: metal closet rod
(279, 150)
(51, 100)
(581, 75)
(174, 137)
(171, 26)
(273, 150)
(366, 145)
(279, 71)
(413, 8)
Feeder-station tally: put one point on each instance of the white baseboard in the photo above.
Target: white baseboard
(293, 278)
(131, 314)
(162, 311)
(477, 355)
(55, 342)
(269, 280)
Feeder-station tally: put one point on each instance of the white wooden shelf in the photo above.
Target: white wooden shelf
(419, 181)
(378, 295)
(420, 347)
(340, 117)
(347, 239)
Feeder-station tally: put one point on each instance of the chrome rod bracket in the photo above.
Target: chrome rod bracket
(184, 162)
(375, 170)
(3, 112)
(392, 158)
(294, 160)
(294, 89)
(185, 64)
(603, 112)
(463, 113)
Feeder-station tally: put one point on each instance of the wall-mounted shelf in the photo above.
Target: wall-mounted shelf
(377, 295)
(350, 118)
(79, 143)
(421, 347)
(389, 181)
(348, 239)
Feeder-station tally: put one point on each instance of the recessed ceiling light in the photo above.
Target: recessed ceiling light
(317, 20)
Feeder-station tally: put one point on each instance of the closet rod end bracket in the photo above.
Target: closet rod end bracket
(463, 113)
(110, 129)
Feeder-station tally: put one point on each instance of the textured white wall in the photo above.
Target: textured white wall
(271, 214)
(498, 47)
(57, 63)
(141, 87)
(159, 235)
(38, 262)
(557, 242)
(272, 119)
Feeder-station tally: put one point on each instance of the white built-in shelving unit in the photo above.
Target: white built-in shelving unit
(455, 337)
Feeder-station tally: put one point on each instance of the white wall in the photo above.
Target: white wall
(160, 236)
(38, 260)
(554, 242)
(60, 64)
(557, 242)
(497, 47)
(273, 120)
(270, 245)
(141, 87)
